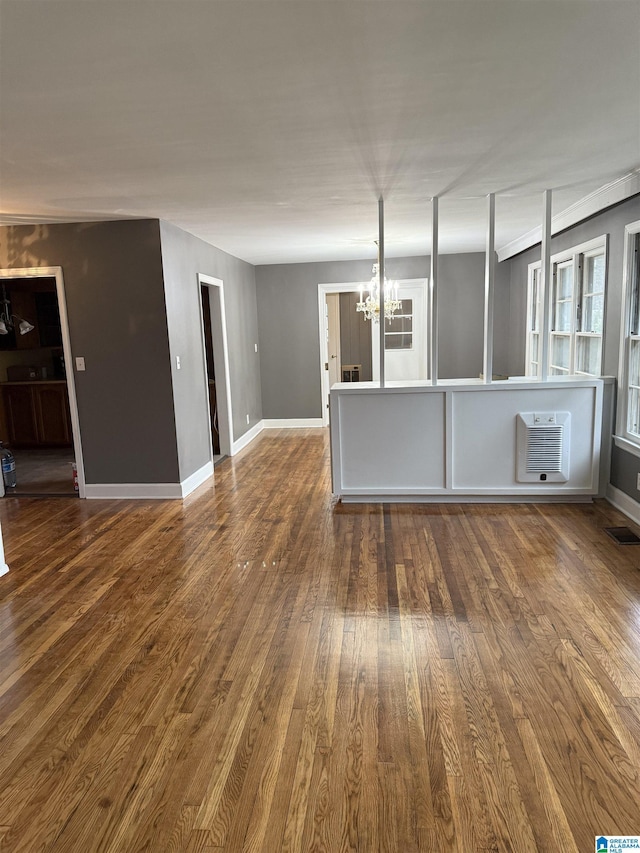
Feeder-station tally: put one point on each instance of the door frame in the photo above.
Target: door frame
(323, 289)
(56, 272)
(220, 360)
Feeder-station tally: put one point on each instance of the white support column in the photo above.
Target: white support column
(546, 287)
(381, 292)
(489, 288)
(433, 296)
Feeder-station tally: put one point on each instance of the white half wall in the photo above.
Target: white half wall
(457, 439)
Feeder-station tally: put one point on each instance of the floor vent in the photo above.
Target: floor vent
(623, 535)
(543, 447)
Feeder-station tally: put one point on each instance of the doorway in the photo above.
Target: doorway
(345, 339)
(211, 372)
(216, 365)
(38, 410)
(406, 337)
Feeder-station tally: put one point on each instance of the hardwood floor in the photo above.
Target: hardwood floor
(262, 669)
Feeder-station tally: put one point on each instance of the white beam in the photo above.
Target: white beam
(489, 288)
(381, 292)
(433, 296)
(546, 287)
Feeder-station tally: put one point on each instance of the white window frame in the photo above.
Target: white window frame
(573, 258)
(534, 318)
(397, 316)
(625, 438)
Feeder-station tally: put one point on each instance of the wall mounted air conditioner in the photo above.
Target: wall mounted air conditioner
(542, 442)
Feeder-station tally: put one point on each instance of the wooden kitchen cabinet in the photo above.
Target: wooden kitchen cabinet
(37, 414)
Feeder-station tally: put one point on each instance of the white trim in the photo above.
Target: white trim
(133, 491)
(630, 443)
(620, 500)
(4, 569)
(467, 498)
(597, 201)
(626, 445)
(217, 307)
(150, 491)
(291, 423)
(323, 289)
(197, 479)
(56, 272)
(246, 438)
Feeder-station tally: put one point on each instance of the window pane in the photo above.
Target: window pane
(593, 314)
(588, 355)
(562, 317)
(398, 341)
(564, 279)
(560, 351)
(535, 347)
(534, 308)
(634, 320)
(594, 271)
(633, 409)
(398, 330)
(399, 324)
(634, 362)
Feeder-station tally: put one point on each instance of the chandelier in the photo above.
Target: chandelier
(7, 317)
(370, 306)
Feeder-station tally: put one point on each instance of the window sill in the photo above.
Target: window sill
(626, 444)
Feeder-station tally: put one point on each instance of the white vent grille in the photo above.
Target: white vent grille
(543, 447)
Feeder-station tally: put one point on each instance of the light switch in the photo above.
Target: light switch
(177, 362)
(80, 363)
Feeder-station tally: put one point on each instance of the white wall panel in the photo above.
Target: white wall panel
(392, 440)
(484, 434)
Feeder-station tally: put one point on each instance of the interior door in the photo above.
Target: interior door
(333, 337)
(405, 337)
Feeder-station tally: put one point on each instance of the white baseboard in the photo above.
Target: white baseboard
(247, 438)
(624, 503)
(196, 479)
(4, 568)
(133, 491)
(149, 491)
(442, 498)
(291, 423)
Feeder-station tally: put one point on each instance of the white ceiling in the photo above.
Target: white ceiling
(270, 128)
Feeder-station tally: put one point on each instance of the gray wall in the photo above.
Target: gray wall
(624, 466)
(115, 300)
(288, 323)
(183, 257)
